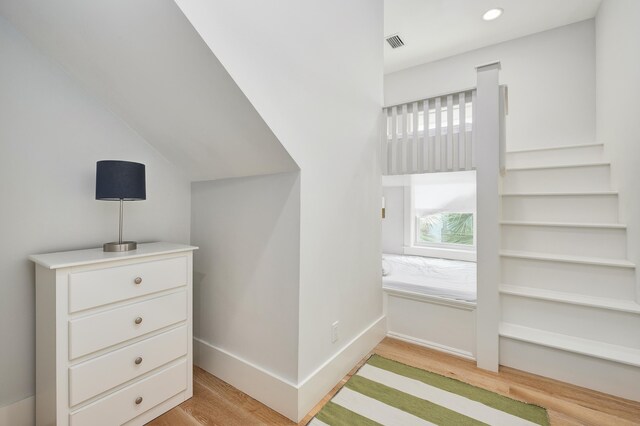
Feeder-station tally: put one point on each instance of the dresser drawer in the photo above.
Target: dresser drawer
(100, 374)
(102, 286)
(121, 406)
(94, 332)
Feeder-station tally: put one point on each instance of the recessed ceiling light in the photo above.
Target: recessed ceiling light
(492, 14)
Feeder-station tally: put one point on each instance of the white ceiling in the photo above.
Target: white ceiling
(145, 60)
(436, 29)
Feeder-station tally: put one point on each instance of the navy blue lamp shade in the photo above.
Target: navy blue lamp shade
(120, 180)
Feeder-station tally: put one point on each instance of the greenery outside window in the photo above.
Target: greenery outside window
(445, 228)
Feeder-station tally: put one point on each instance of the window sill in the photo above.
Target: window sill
(444, 253)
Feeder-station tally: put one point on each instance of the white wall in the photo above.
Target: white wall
(617, 107)
(51, 135)
(551, 79)
(313, 70)
(315, 76)
(247, 270)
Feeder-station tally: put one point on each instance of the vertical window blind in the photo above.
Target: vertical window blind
(431, 135)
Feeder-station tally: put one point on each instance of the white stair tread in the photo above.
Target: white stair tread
(558, 194)
(552, 148)
(571, 298)
(567, 259)
(607, 351)
(565, 224)
(559, 166)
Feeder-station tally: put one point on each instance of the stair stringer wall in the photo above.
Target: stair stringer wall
(315, 76)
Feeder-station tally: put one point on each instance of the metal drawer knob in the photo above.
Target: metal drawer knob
(138, 320)
(138, 280)
(138, 360)
(138, 400)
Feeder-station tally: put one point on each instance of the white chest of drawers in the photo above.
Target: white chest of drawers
(113, 334)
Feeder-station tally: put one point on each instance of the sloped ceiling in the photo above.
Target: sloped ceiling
(147, 63)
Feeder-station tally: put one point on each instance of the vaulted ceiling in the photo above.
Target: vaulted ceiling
(144, 59)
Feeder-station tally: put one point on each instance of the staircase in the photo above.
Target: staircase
(568, 294)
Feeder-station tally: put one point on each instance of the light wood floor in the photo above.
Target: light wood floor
(216, 403)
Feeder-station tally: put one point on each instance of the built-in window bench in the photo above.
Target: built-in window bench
(431, 302)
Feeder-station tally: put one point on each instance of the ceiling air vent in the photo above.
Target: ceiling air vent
(395, 41)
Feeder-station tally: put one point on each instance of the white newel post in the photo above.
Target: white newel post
(487, 140)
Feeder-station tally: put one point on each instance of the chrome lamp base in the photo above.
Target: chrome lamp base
(120, 246)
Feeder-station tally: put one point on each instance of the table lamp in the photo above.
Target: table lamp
(120, 181)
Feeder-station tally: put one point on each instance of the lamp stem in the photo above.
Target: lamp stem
(120, 230)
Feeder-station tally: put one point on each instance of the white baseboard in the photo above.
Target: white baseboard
(312, 389)
(273, 391)
(432, 345)
(293, 401)
(21, 413)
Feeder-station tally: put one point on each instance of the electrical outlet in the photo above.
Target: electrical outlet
(334, 332)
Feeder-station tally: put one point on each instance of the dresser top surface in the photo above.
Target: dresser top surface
(67, 259)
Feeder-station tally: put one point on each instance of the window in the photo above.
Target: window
(446, 227)
(441, 215)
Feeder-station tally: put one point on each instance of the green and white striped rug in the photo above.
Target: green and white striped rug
(385, 392)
